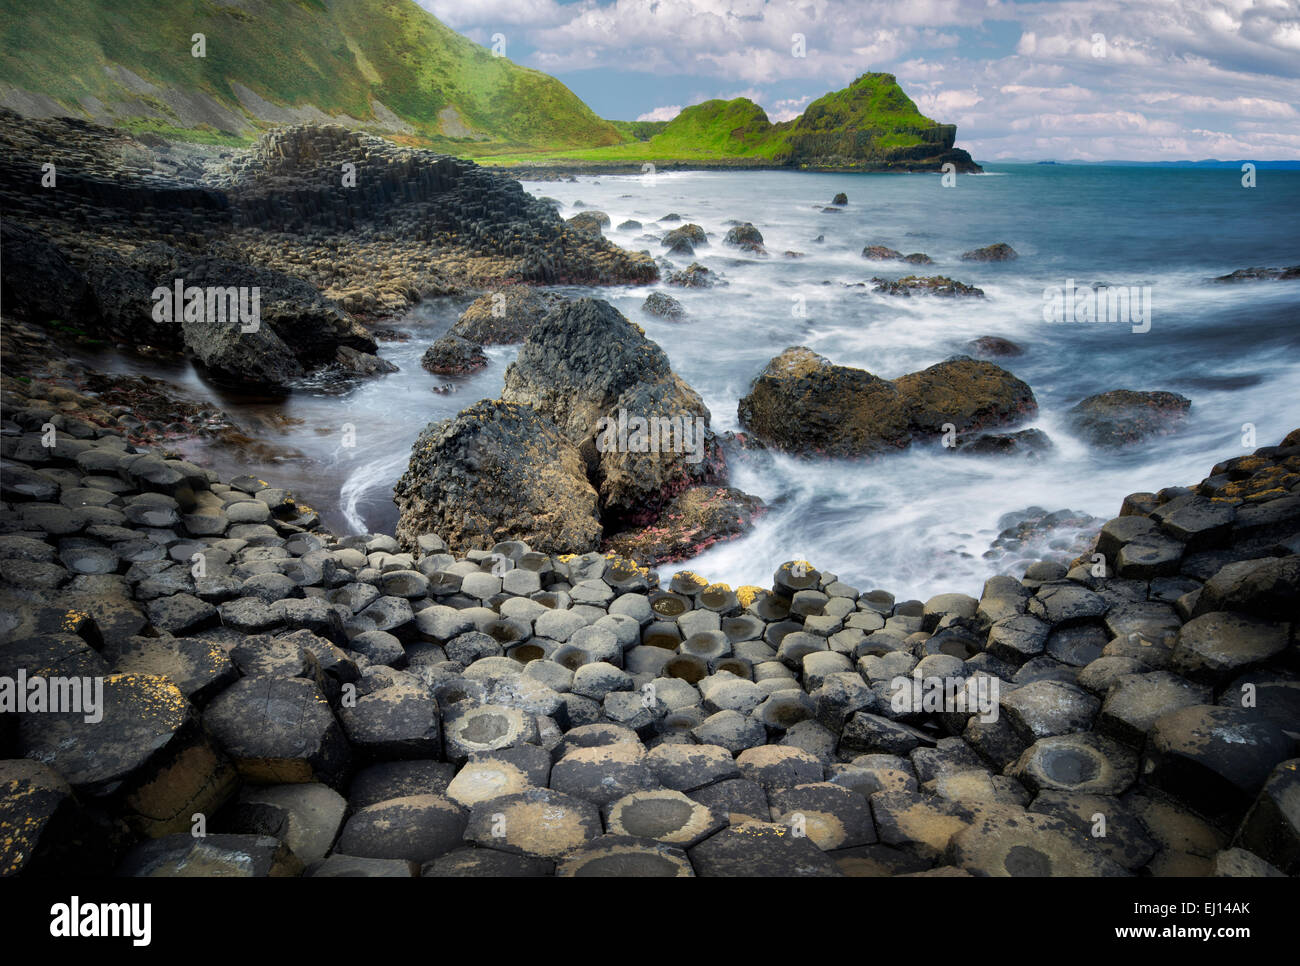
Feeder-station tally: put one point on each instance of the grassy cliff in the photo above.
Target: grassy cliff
(388, 65)
(871, 124)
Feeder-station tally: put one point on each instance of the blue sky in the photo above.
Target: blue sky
(1086, 80)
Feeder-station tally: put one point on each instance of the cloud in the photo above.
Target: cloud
(1067, 79)
(665, 113)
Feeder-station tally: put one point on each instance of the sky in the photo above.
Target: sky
(1074, 80)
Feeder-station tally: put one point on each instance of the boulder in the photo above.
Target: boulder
(453, 355)
(503, 317)
(498, 471)
(967, 393)
(1122, 416)
(1001, 252)
(802, 403)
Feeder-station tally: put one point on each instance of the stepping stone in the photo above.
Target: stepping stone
(486, 728)
(1103, 822)
(664, 815)
(399, 721)
(1215, 646)
(1080, 763)
(1016, 843)
(760, 850)
(688, 767)
(180, 613)
(279, 730)
(540, 822)
(1017, 639)
(1136, 701)
(200, 668)
(1271, 828)
(738, 799)
(182, 856)
(339, 866)
(622, 856)
(496, 773)
(604, 773)
(832, 816)
(398, 779)
(865, 733)
(486, 863)
(922, 825)
(415, 828)
(775, 766)
(1046, 708)
(1216, 759)
(306, 817)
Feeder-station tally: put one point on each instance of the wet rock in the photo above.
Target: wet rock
(756, 849)
(1001, 252)
(1122, 416)
(502, 317)
(664, 306)
(1083, 763)
(1220, 644)
(454, 355)
(525, 482)
(938, 285)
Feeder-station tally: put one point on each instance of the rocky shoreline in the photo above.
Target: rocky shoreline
(278, 700)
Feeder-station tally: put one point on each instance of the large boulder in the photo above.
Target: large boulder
(498, 471)
(967, 393)
(803, 403)
(1123, 416)
(596, 375)
(502, 317)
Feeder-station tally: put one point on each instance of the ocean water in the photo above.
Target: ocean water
(919, 522)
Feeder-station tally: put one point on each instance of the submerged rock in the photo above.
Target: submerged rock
(939, 285)
(1122, 416)
(664, 306)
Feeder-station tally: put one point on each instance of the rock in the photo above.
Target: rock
(993, 347)
(1031, 443)
(1044, 708)
(279, 729)
(43, 830)
(689, 523)
(1027, 844)
(489, 727)
(664, 815)
(541, 823)
(603, 773)
(453, 355)
(1136, 701)
(399, 721)
(832, 816)
(306, 817)
(965, 393)
(1122, 416)
(1001, 252)
(840, 198)
(498, 471)
(503, 317)
(939, 285)
(694, 275)
(1082, 763)
(1267, 588)
(620, 856)
(53, 289)
(416, 828)
(802, 403)
(756, 849)
(1271, 829)
(1214, 758)
(589, 222)
(1220, 644)
(1256, 274)
(745, 237)
(921, 825)
(664, 306)
(398, 779)
(466, 863)
(212, 856)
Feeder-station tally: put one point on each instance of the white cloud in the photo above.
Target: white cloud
(1179, 78)
(665, 113)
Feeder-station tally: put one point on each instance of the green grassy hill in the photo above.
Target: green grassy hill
(872, 123)
(385, 63)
